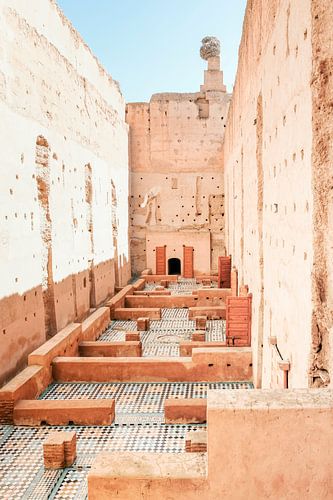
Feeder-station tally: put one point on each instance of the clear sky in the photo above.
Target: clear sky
(152, 46)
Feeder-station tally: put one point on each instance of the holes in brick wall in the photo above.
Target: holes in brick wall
(22, 158)
(295, 108)
(296, 51)
(284, 120)
(11, 191)
(4, 331)
(305, 255)
(302, 154)
(305, 34)
(294, 156)
(274, 49)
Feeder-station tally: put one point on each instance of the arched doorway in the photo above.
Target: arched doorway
(174, 266)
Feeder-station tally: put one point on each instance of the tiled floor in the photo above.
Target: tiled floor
(164, 335)
(139, 415)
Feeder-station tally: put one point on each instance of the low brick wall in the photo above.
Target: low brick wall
(64, 343)
(163, 301)
(185, 411)
(210, 312)
(28, 384)
(212, 297)
(95, 324)
(206, 365)
(148, 476)
(186, 347)
(64, 412)
(128, 313)
(111, 349)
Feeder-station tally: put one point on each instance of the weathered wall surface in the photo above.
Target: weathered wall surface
(278, 174)
(176, 158)
(64, 179)
(268, 176)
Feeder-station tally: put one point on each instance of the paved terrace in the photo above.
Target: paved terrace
(138, 426)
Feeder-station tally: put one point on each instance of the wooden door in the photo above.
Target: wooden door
(188, 262)
(224, 278)
(238, 324)
(160, 260)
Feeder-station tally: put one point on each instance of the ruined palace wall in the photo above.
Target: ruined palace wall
(64, 179)
(177, 149)
(267, 162)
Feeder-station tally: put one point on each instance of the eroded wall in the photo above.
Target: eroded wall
(277, 162)
(176, 160)
(64, 162)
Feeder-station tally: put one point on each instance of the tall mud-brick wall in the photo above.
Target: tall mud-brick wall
(64, 146)
(177, 189)
(278, 182)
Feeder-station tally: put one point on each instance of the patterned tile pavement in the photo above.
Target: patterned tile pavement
(164, 335)
(139, 415)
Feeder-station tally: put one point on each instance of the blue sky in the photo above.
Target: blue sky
(152, 46)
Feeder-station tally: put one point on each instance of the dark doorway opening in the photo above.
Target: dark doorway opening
(174, 266)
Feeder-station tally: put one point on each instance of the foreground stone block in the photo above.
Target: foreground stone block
(285, 443)
(148, 476)
(59, 450)
(64, 412)
(185, 411)
(142, 324)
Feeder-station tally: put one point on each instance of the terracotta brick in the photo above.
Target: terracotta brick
(200, 322)
(59, 450)
(110, 349)
(196, 441)
(209, 311)
(132, 336)
(133, 313)
(63, 412)
(142, 324)
(199, 336)
(185, 411)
